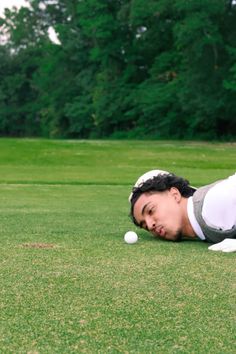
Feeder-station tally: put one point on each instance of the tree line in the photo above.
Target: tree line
(121, 69)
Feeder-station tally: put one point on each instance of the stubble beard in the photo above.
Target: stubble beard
(179, 237)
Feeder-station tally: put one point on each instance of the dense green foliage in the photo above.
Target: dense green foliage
(123, 68)
(68, 282)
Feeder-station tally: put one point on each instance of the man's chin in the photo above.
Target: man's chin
(179, 237)
(174, 238)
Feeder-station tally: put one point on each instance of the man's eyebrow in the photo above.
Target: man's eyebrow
(141, 224)
(144, 208)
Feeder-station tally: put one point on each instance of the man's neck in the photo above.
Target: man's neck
(187, 229)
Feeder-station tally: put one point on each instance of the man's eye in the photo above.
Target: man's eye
(150, 211)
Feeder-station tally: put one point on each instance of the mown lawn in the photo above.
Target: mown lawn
(68, 282)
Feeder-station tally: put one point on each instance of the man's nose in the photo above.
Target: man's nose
(150, 224)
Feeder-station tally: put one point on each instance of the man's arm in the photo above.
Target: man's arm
(219, 211)
(219, 207)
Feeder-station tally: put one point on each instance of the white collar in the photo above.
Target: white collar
(195, 225)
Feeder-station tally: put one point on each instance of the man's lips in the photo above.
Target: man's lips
(160, 231)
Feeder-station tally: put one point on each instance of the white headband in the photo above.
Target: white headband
(145, 177)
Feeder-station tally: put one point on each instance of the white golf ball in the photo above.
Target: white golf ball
(131, 237)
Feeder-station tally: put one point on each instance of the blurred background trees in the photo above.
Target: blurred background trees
(120, 68)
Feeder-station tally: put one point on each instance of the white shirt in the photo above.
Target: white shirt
(219, 207)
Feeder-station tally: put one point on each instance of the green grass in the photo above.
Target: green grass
(88, 292)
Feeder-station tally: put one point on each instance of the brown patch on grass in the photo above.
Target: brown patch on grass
(38, 245)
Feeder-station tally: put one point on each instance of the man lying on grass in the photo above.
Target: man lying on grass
(168, 207)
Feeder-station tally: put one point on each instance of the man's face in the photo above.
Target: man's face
(160, 213)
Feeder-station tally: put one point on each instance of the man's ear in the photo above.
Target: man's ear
(175, 193)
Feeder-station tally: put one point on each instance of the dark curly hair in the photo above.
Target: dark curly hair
(160, 183)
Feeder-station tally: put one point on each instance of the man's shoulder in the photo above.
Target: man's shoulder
(201, 192)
